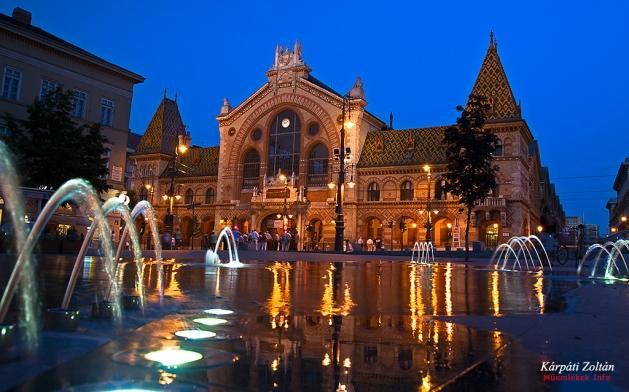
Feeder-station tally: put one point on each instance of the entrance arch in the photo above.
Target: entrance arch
(315, 233)
(443, 232)
(374, 228)
(274, 225)
(491, 232)
(406, 237)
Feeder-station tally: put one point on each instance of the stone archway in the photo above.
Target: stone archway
(443, 232)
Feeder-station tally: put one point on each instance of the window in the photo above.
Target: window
(256, 134)
(406, 191)
(498, 148)
(318, 165)
(251, 170)
(284, 144)
(78, 104)
(373, 192)
(210, 196)
(189, 198)
(371, 354)
(47, 87)
(11, 83)
(106, 111)
(144, 193)
(313, 129)
(440, 194)
(405, 359)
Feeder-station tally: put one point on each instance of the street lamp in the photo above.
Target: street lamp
(183, 141)
(540, 229)
(342, 155)
(428, 224)
(284, 211)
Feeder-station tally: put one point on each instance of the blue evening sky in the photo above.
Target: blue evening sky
(567, 61)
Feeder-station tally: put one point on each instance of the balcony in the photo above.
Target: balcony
(493, 202)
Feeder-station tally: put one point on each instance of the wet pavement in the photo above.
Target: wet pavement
(309, 326)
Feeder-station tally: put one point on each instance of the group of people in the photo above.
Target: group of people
(172, 242)
(371, 245)
(264, 240)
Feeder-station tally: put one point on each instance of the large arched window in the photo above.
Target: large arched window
(440, 194)
(251, 170)
(210, 196)
(498, 148)
(373, 192)
(318, 165)
(406, 191)
(284, 144)
(189, 198)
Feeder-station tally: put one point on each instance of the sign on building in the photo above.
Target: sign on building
(116, 173)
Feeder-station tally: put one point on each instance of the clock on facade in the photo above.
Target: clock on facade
(285, 123)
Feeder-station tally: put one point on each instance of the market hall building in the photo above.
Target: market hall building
(275, 167)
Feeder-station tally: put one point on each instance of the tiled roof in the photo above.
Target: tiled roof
(403, 147)
(46, 36)
(492, 83)
(197, 162)
(162, 132)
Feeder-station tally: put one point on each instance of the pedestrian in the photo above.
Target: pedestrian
(166, 240)
(370, 245)
(212, 241)
(173, 243)
(255, 238)
(276, 243)
(285, 241)
(360, 243)
(378, 243)
(263, 240)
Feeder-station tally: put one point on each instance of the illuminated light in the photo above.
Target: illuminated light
(351, 184)
(347, 363)
(166, 378)
(623, 218)
(195, 334)
(436, 212)
(414, 225)
(278, 216)
(614, 229)
(326, 360)
(495, 225)
(426, 384)
(421, 212)
(178, 197)
(331, 185)
(210, 321)
(275, 364)
(173, 357)
(219, 312)
(349, 124)
(183, 148)
(165, 197)
(449, 225)
(539, 229)
(148, 186)
(427, 168)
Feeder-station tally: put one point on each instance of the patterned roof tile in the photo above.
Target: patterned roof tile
(162, 132)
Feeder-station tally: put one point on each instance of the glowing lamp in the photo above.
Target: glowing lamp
(218, 311)
(210, 321)
(165, 197)
(349, 124)
(331, 185)
(427, 168)
(173, 357)
(148, 186)
(496, 226)
(449, 225)
(326, 360)
(351, 184)
(614, 229)
(623, 218)
(178, 197)
(194, 334)
(540, 229)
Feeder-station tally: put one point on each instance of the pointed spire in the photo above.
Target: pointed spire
(164, 93)
(226, 108)
(391, 120)
(357, 91)
(163, 129)
(492, 83)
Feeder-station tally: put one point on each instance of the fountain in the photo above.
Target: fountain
(114, 204)
(211, 256)
(83, 194)
(523, 253)
(28, 286)
(612, 251)
(145, 209)
(425, 253)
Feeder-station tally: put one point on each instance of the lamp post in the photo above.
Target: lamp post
(343, 154)
(181, 148)
(191, 206)
(284, 217)
(428, 224)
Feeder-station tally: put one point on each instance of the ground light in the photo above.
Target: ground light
(218, 311)
(173, 357)
(210, 321)
(195, 334)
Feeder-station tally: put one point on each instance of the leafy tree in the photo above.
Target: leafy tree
(470, 147)
(51, 148)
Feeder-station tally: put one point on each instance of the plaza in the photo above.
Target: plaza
(277, 197)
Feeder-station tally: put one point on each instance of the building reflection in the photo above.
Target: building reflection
(377, 336)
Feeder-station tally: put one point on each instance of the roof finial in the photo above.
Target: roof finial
(175, 96)
(391, 120)
(164, 93)
(492, 42)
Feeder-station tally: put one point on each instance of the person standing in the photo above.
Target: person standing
(212, 241)
(255, 238)
(263, 240)
(369, 245)
(360, 243)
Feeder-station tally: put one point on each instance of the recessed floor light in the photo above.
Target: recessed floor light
(210, 321)
(195, 334)
(219, 312)
(173, 356)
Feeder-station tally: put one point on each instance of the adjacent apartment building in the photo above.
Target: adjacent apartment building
(34, 61)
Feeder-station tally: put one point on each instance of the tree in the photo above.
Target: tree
(471, 174)
(51, 148)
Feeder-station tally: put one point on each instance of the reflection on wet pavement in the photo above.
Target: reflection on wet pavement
(309, 326)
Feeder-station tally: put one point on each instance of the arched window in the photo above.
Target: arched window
(498, 148)
(370, 354)
(373, 192)
(189, 198)
(318, 165)
(440, 194)
(144, 193)
(507, 147)
(405, 359)
(406, 191)
(251, 170)
(210, 196)
(284, 144)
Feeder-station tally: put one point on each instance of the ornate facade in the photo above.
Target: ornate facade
(277, 155)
